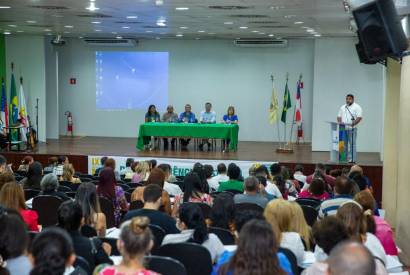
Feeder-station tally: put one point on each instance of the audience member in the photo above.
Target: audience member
(280, 183)
(3, 165)
(170, 117)
(299, 225)
(70, 218)
(52, 252)
(234, 174)
(130, 174)
(152, 202)
(127, 169)
(322, 170)
(141, 172)
(6, 177)
(13, 244)
(271, 185)
(33, 177)
(49, 186)
(221, 177)
(12, 196)
(376, 225)
(257, 252)
(200, 170)
(52, 163)
(195, 191)
(223, 212)
(359, 169)
(343, 189)
(351, 213)
(172, 189)
(316, 190)
(298, 174)
(156, 177)
(209, 171)
(25, 163)
(193, 229)
(107, 188)
(58, 170)
(68, 174)
(279, 212)
(86, 196)
(102, 165)
(251, 194)
(110, 162)
(262, 188)
(152, 164)
(291, 186)
(135, 241)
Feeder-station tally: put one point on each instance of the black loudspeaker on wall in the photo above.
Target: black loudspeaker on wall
(380, 31)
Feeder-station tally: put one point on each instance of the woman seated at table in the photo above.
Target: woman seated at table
(229, 118)
(151, 116)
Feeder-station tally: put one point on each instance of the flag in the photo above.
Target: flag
(298, 115)
(14, 113)
(23, 111)
(274, 106)
(4, 108)
(286, 103)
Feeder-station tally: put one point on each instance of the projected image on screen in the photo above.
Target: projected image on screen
(131, 80)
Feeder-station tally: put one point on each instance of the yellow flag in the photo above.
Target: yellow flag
(274, 106)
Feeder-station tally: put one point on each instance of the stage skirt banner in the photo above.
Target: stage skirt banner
(179, 167)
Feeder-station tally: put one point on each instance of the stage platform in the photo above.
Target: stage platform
(79, 148)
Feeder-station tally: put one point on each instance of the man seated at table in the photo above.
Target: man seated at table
(170, 116)
(3, 135)
(207, 117)
(187, 117)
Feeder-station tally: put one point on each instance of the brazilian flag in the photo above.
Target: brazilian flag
(286, 103)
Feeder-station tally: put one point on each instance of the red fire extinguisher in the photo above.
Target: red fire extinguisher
(69, 123)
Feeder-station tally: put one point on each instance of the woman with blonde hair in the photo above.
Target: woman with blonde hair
(280, 212)
(68, 174)
(299, 225)
(141, 172)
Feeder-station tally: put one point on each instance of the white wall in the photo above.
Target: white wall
(199, 71)
(52, 102)
(27, 54)
(337, 72)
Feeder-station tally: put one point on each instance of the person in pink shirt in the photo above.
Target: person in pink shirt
(377, 225)
(316, 191)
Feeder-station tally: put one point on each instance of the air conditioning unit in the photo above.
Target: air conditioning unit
(261, 43)
(111, 42)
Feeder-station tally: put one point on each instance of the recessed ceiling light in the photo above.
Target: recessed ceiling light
(118, 37)
(299, 22)
(20, 31)
(310, 30)
(125, 27)
(132, 17)
(92, 0)
(5, 7)
(255, 31)
(228, 23)
(183, 27)
(243, 27)
(304, 27)
(97, 30)
(159, 2)
(92, 7)
(290, 16)
(31, 22)
(182, 8)
(161, 24)
(68, 26)
(96, 22)
(318, 35)
(179, 35)
(271, 35)
(6, 32)
(201, 31)
(80, 37)
(47, 30)
(148, 31)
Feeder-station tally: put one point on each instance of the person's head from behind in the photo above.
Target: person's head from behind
(129, 162)
(86, 196)
(280, 183)
(3, 164)
(262, 181)
(170, 109)
(49, 183)
(187, 108)
(317, 187)
(279, 212)
(27, 160)
(152, 109)
(13, 236)
(242, 217)
(285, 173)
(328, 232)
(349, 99)
(62, 160)
(358, 179)
(366, 200)
(35, 170)
(70, 216)
(230, 111)
(166, 169)
(193, 185)
(52, 161)
(343, 186)
(234, 172)
(299, 168)
(6, 177)
(351, 214)
(221, 168)
(68, 171)
(275, 169)
(102, 160)
(136, 239)
(142, 168)
(356, 168)
(106, 183)
(157, 176)
(152, 163)
(256, 252)
(152, 196)
(110, 162)
(251, 185)
(260, 171)
(209, 170)
(51, 252)
(223, 211)
(351, 258)
(12, 196)
(191, 217)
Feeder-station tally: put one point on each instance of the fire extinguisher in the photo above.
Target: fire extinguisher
(69, 123)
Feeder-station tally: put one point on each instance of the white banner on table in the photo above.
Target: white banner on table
(180, 167)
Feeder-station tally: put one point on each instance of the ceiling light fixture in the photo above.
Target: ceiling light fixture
(255, 31)
(5, 7)
(271, 35)
(20, 31)
(125, 27)
(161, 24)
(298, 22)
(183, 27)
(182, 8)
(318, 35)
(148, 31)
(243, 27)
(179, 35)
(97, 30)
(159, 2)
(96, 22)
(132, 17)
(118, 37)
(92, 7)
(6, 32)
(31, 22)
(201, 31)
(228, 23)
(68, 26)
(13, 26)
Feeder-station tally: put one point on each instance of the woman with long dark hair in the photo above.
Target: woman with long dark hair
(87, 198)
(256, 253)
(193, 229)
(107, 188)
(152, 115)
(223, 212)
(33, 177)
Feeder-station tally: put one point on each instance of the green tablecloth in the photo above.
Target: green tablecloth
(190, 130)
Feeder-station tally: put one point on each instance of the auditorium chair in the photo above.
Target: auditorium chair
(310, 202)
(64, 189)
(83, 264)
(159, 234)
(83, 179)
(196, 258)
(310, 214)
(71, 194)
(224, 235)
(124, 186)
(67, 184)
(127, 196)
(30, 193)
(233, 191)
(107, 208)
(46, 207)
(165, 265)
(291, 258)
(248, 206)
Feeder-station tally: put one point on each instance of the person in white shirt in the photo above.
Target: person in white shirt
(207, 117)
(221, 177)
(351, 115)
(171, 188)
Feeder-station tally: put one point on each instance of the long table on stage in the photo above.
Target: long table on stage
(188, 130)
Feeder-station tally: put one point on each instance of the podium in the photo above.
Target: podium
(338, 145)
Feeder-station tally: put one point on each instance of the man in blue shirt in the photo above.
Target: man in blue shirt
(187, 117)
(207, 117)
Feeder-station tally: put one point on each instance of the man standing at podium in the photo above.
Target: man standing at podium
(350, 114)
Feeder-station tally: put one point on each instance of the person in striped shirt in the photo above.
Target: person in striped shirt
(343, 189)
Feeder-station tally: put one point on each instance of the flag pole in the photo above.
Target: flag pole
(277, 124)
(284, 140)
(294, 113)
